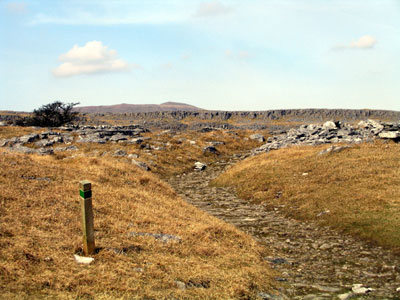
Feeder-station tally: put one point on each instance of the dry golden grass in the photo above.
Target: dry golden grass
(176, 154)
(7, 132)
(360, 187)
(40, 231)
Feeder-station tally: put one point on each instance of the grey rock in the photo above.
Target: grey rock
(334, 149)
(137, 140)
(45, 151)
(360, 290)
(210, 149)
(162, 237)
(141, 164)
(120, 153)
(44, 143)
(329, 125)
(278, 261)
(199, 166)
(258, 137)
(118, 138)
(267, 296)
(215, 143)
(180, 285)
(134, 155)
(68, 148)
(23, 149)
(29, 138)
(345, 296)
(389, 135)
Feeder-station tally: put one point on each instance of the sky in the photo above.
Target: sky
(219, 55)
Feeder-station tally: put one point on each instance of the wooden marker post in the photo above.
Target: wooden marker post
(85, 192)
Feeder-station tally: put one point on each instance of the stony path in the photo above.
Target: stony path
(315, 263)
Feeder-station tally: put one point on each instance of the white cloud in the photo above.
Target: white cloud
(92, 58)
(17, 7)
(212, 8)
(364, 42)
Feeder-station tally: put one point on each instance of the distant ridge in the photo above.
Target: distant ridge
(136, 108)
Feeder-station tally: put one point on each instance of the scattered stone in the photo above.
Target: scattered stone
(278, 261)
(258, 137)
(44, 143)
(119, 153)
(165, 238)
(199, 166)
(180, 285)
(216, 143)
(133, 155)
(359, 289)
(141, 164)
(345, 296)
(118, 137)
(206, 129)
(137, 140)
(334, 149)
(23, 149)
(30, 138)
(36, 178)
(390, 135)
(45, 151)
(2, 124)
(68, 148)
(210, 149)
(331, 132)
(329, 125)
(325, 288)
(267, 296)
(83, 260)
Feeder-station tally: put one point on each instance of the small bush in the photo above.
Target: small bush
(50, 115)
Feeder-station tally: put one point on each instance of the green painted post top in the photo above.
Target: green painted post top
(85, 185)
(85, 194)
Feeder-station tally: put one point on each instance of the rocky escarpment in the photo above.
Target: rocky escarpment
(331, 132)
(294, 115)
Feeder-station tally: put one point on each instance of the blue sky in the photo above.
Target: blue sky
(226, 55)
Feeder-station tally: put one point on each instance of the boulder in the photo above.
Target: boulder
(258, 137)
(118, 137)
(137, 140)
(210, 149)
(29, 138)
(389, 135)
(141, 165)
(83, 260)
(119, 153)
(329, 125)
(199, 166)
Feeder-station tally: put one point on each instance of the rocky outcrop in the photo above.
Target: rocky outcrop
(40, 143)
(299, 115)
(332, 132)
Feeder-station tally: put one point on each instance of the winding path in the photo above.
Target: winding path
(315, 263)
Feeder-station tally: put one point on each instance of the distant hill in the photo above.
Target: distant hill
(133, 108)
